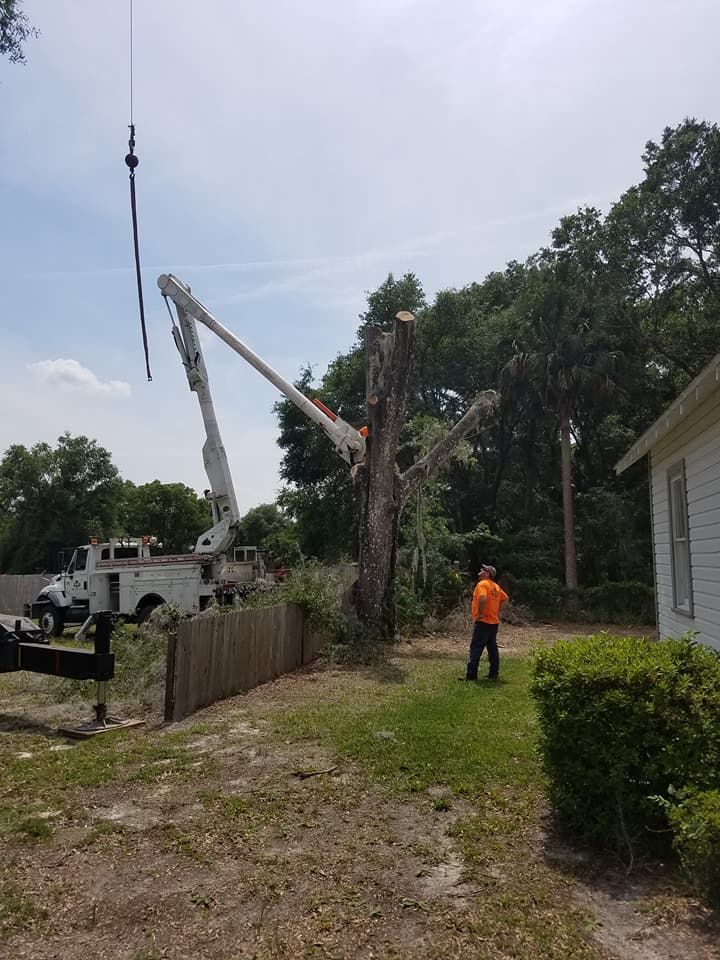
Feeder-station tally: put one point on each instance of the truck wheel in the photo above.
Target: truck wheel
(51, 621)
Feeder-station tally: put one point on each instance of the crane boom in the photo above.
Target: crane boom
(220, 537)
(348, 442)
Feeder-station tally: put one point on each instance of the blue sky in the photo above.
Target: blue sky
(292, 154)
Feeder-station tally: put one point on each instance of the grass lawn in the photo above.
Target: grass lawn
(468, 749)
(427, 729)
(388, 812)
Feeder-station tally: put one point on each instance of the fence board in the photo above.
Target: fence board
(216, 657)
(313, 642)
(18, 589)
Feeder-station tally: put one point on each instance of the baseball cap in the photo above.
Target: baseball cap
(488, 568)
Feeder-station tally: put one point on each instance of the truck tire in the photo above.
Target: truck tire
(52, 621)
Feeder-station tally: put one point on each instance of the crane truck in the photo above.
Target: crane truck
(122, 575)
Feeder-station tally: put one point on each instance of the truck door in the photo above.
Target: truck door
(77, 577)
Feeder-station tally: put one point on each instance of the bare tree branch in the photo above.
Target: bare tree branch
(481, 410)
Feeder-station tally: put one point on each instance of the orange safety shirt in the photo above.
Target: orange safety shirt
(494, 596)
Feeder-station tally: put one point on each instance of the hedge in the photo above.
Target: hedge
(611, 602)
(695, 822)
(624, 722)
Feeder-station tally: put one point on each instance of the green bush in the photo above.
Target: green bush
(315, 590)
(410, 609)
(613, 602)
(141, 653)
(609, 602)
(356, 645)
(140, 661)
(625, 721)
(545, 596)
(695, 822)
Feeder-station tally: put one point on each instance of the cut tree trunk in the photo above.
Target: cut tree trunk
(383, 489)
(389, 361)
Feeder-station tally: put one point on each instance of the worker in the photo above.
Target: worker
(487, 600)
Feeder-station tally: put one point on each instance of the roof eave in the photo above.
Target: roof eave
(689, 399)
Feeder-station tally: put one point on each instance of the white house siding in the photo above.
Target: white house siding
(696, 440)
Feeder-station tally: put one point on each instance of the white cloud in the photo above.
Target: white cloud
(71, 377)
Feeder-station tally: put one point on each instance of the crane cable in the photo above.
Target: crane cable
(132, 162)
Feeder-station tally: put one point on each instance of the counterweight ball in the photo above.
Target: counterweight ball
(132, 161)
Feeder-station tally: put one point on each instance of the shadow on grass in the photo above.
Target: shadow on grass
(384, 671)
(417, 653)
(10, 723)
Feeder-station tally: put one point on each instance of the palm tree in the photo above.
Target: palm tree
(561, 356)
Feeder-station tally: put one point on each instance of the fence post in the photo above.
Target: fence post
(170, 678)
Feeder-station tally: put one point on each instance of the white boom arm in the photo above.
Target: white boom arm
(219, 538)
(348, 442)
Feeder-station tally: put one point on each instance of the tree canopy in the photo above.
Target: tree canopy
(53, 498)
(171, 512)
(15, 29)
(587, 341)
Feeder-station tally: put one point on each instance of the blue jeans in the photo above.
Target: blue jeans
(484, 635)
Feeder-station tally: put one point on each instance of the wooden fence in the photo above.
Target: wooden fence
(217, 656)
(17, 590)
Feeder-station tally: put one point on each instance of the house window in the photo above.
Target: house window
(680, 540)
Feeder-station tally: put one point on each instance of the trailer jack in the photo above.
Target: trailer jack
(23, 646)
(102, 722)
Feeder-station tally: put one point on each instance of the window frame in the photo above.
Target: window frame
(676, 479)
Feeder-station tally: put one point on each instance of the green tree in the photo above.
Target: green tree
(664, 242)
(320, 495)
(54, 498)
(589, 340)
(15, 29)
(565, 353)
(172, 512)
(269, 528)
(391, 296)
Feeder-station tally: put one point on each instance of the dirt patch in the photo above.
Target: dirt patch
(512, 640)
(627, 925)
(259, 863)
(638, 917)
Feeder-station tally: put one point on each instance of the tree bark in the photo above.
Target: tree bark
(571, 580)
(383, 489)
(389, 360)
